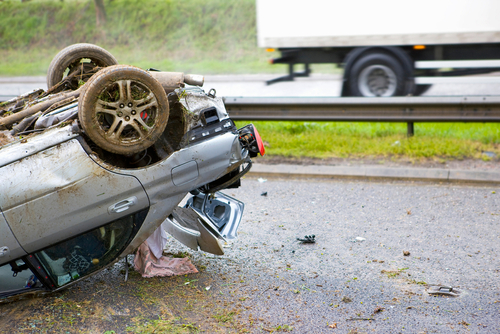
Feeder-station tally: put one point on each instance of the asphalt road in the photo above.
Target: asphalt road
(254, 85)
(354, 279)
(357, 264)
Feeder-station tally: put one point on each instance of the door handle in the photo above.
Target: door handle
(123, 205)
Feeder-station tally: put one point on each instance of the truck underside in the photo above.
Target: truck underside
(393, 70)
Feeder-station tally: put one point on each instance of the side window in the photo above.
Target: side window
(88, 252)
(16, 277)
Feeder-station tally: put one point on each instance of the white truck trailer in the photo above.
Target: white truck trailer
(386, 47)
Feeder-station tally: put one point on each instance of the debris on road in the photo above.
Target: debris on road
(443, 291)
(308, 239)
(148, 265)
(346, 299)
(406, 253)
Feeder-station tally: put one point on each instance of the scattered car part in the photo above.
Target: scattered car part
(443, 290)
(308, 239)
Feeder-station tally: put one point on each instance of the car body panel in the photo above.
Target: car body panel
(9, 247)
(185, 173)
(25, 147)
(206, 221)
(223, 213)
(214, 158)
(60, 191)
(190, 228)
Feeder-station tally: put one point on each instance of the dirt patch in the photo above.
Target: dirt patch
(108, 304)
(5, 138)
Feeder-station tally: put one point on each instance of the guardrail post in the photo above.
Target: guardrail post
(410, 129)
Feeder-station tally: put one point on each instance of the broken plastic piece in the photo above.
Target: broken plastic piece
(443, 290)
(308, 239)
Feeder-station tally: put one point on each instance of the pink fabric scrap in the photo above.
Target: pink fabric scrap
(149, 266)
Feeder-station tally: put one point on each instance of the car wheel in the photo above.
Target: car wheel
(377, 74)
(79, 63)
(123, 109)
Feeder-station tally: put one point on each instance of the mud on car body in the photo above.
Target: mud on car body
(92, 174)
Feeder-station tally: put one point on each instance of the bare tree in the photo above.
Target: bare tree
(100, 12)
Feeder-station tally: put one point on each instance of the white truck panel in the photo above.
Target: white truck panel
(329, 23)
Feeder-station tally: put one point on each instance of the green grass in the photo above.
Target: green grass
(354, 140)
(170, 326)
(216, 36)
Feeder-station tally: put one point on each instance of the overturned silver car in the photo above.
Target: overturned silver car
(90, 171)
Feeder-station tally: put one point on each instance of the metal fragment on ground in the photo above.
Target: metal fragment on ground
(443, 290)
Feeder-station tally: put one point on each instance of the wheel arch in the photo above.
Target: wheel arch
(398, 53)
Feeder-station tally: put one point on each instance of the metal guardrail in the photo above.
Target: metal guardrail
(383, 109)
(378, 109)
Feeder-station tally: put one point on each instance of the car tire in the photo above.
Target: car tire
(89, 56)
(377, 74)
(123, 109)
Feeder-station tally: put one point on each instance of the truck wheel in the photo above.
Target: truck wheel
(377, 74)
(421, 89)
(123, 109)
(78, 61)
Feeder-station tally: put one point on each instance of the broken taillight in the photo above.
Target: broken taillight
(251, 140)
(260, 143)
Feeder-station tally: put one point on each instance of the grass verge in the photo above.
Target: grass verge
(437, 141)
(217, 36)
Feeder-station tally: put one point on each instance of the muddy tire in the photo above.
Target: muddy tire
(123, 109)
(79, 59)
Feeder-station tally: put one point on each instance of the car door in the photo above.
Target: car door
(59, 193)
(9, 247)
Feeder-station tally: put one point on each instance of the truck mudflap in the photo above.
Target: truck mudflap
(206, 222)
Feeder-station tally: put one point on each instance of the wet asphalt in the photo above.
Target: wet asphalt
(355, 278)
